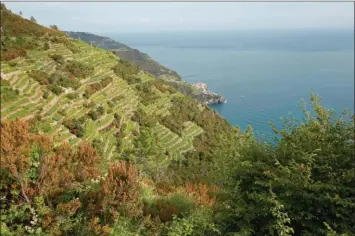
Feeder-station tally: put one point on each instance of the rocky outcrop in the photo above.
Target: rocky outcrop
(206, 96)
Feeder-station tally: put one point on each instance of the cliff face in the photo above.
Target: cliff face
(150, 66)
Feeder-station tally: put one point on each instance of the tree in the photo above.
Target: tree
(15, 149)
(33, 19)
(20, 13)
(121, 191)
(297, 186)
(53, 27)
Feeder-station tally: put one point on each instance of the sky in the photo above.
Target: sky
(109, 17)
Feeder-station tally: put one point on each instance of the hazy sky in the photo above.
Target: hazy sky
(180, 16)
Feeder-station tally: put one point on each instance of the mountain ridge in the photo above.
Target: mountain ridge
(149, 65)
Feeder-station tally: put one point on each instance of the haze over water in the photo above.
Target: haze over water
(262, 73)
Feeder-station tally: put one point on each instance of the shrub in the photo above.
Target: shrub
(63, 80)
(56, 89)
(57, 58)
(7, 94)
(75, 126)
(45, 46)
(40, 76)
(166, 208)
(12, 53)
(72, 95)
(126, 70)
(93, 88)
(79, 69)
(92, 114)
(12, 63)
(121, 190)
(73, 48)
(45, 94)
(117, 116)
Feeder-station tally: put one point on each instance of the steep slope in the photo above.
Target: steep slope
(145, 62)
(144, 159)
(78, 92)
(148, 65)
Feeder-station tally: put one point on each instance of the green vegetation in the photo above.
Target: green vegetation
(146, 64)
(102, 148)
(93, 88)
(79, 69)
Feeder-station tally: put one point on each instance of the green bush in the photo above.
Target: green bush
(166, 208)
(93, 115)
(8, 94)
(297, 185)
(93, 88)
(75, 126)
(45, 94)
(127, 71)
(40, 76)
(57, 58)
(72, 95)
(45, 46)
(56, 89)
(12, 63)
(79, 69)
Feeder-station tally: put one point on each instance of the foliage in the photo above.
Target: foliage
(45, 46)
(19, 35)
(79, 69)
(63, 80)
(199, 223)
(53, 27)
(132, 179)
(57, 58)
(7, 94)
(40, 76)
(126, 71)
(294, 178)
(33, 19)
(93, 88)
(121, 191)
(166, 208)
(75, 126)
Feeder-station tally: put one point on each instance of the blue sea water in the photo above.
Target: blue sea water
(263, 74)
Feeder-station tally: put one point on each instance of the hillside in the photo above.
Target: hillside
(72, 92)
(93, 145)
(148, 65)
(61, 80)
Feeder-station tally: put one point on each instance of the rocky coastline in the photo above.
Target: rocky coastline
(206, 96)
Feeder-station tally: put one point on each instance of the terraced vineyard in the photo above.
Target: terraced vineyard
(36, 100)
(173, 143)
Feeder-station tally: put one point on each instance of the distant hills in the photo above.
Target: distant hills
(148, 65)
(145, 62)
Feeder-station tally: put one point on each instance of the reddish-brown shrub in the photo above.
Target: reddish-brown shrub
(56, 173)
(162, 209)
(69, 208)
(202, 194)
(121, 190)
(44, 144)
(15, 147)
(13, 53)
(88, 162)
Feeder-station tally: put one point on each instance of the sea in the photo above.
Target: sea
(263, 74)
